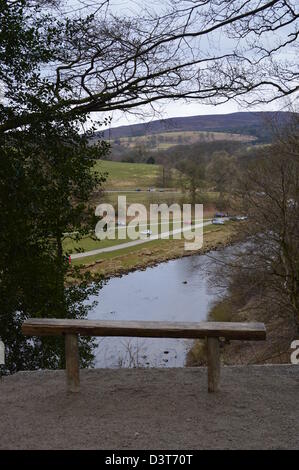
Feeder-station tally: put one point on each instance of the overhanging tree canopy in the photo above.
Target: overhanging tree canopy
(91, 59)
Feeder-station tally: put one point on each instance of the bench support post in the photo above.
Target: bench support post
(72, 362)
(213, 364)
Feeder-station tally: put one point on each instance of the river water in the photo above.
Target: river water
(177, 290)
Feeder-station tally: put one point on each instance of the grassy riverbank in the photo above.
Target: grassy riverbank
(140, 257)
(118, 236)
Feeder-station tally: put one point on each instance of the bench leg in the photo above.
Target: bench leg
(72, 362)
(213, 364)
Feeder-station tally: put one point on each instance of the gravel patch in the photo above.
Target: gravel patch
(257, 407)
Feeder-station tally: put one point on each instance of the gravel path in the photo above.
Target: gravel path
(257, 408)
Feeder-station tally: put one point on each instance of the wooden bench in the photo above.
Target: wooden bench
(212, 331)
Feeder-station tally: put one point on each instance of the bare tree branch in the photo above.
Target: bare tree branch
(102, 62)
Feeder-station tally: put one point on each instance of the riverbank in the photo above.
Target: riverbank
(275, 350)
(158, 251)
(255, 408)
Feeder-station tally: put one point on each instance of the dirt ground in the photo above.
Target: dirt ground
(257, 407)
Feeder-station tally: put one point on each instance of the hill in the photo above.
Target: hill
(167, 140)
(254, 124)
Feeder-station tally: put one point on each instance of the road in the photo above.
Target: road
(156, 190)
(121, 246)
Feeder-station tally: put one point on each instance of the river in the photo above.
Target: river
(177, 290)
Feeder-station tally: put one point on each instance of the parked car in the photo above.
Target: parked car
(146, 232)
(220, 215)
(238, 217)
(217, 221)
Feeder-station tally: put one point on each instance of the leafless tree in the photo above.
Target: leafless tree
(222, 172)
(266, 267)
(192, 177)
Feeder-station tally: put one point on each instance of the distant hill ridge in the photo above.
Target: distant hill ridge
(249, 123)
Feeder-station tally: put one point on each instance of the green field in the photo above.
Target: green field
(130, 175)
(146, 198)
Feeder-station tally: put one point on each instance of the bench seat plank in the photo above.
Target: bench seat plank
(145, 329)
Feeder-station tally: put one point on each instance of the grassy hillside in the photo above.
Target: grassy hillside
(166, 140)
(255, 124)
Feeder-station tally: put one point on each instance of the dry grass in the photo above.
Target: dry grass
(275, 350)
